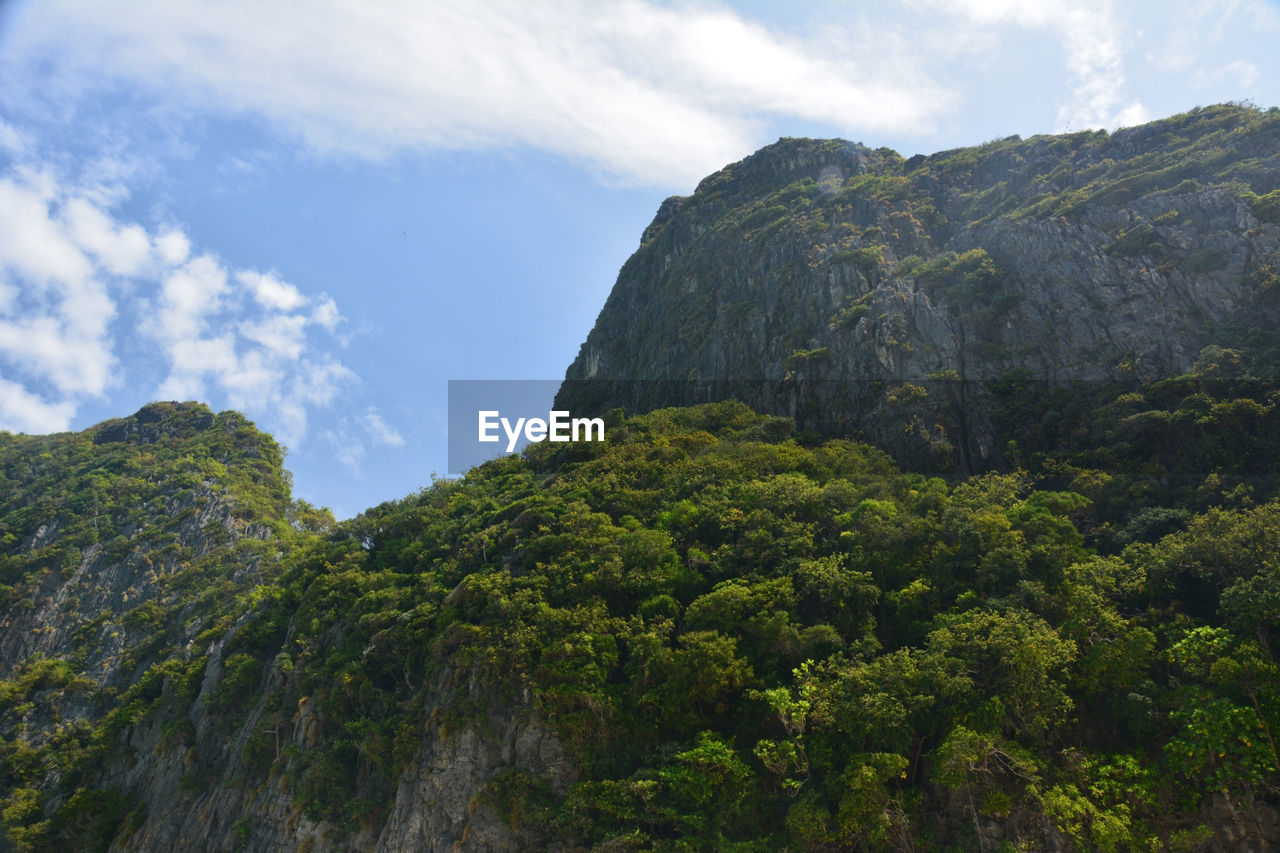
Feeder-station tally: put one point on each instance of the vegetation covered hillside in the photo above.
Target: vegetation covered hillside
(702, 634)
(128, 554)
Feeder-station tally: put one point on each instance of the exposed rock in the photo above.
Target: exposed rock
(156, 421)
(437, 803)
(814, 278)
(436, 806)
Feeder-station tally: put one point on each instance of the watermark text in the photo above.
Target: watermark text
(558, 426)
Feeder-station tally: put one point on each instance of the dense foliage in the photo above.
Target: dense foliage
(744, 641)
(158, 531)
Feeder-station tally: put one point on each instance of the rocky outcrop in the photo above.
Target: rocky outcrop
(815, 279)
(437, 806)
(156, 422)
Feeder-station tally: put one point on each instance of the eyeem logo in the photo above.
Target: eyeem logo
(490, 417)
(558, 426)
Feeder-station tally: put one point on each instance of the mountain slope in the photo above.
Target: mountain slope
(116, 519)
(702, 633)
(154, 569)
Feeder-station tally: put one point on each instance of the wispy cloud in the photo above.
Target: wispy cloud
(1198, 31)
(645, 93)
(70, 267)
(22, 411)
(349, 438)
(379, 430)
(1093, 43)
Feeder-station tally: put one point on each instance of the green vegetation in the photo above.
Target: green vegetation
(800, 357)
(743, 641)
(1265, 207)
(114, 517)
(1205, 260)
(866, 260)
(853, 312)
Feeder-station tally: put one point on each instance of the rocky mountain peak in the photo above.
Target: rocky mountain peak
(156, 421)
(1085, 257)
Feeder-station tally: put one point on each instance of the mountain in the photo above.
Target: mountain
(1038, 612)
(859, 292)
(173, 627)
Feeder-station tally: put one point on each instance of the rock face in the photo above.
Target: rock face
(436, 808)
(816, 279)
(437, 805)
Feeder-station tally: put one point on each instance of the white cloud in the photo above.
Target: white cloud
(188, 295)
(281, 334)
(33, 244)
(173, 247)
(122, 250)
(1093, 44)
(70, 267)
(193, 358)
(270, 291)
(379, 430)
(232, 331)
(22, 411)
(646, 93)
(54, 307)
(321, 381)
(52, 351)
(326, 313)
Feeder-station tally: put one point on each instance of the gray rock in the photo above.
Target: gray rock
(798, 279)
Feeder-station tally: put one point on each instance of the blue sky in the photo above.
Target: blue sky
(318, 213)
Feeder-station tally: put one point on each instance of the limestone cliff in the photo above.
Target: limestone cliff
(858, 291)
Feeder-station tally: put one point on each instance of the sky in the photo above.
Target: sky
(318, 213)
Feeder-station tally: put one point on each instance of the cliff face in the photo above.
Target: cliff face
(437, 804)
(106, 530)
(814, 278)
